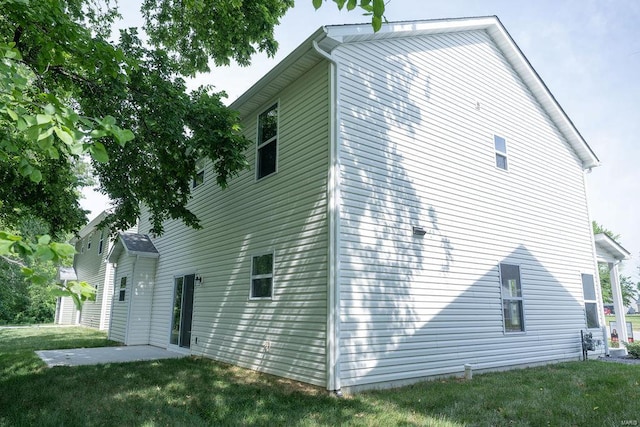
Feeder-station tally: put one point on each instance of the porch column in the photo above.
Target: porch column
(616, 293)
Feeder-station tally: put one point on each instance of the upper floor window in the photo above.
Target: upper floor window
(101, 242)
(262, 276)
(500, 145)
(89, 241)
(198, 177)
(266, 158)
(590, 301)
(123, 289)
(513, 313)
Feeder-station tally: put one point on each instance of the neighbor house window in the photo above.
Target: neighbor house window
(511, 298)
(89, 242)
(262, 276)
(267, 154)
(82, 246)
(590, 301)
(198, 178)
(500, 145)
(101, 242)
(123, 289)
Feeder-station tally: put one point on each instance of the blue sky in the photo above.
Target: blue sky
(586, 51)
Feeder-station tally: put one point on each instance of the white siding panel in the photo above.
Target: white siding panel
(141, 298)
(418, 117)
(284, 213)
(120, 309)
(91, 267)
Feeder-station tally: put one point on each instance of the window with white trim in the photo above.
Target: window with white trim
(590, 301)
(198, 177)
(123, 289)
(262, 276)
(500, 145)
(101, 242)
(267, 153)
(89, 242)
(512, 301)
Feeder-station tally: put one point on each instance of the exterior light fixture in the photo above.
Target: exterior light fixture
(419, 231)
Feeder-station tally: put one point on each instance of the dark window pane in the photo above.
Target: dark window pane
(121, 296)
(510, 276)
(588, 287)
(513, 316)
(268, 125)
(267, 159)
(501, 161)
(261, 288)
(262, 264)
(591, 310)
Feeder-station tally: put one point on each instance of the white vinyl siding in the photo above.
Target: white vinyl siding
(285, 213)
(120, 309)
(140, 289)
(416, 115)
(91, 267)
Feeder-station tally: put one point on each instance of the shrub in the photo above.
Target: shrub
(633, 349)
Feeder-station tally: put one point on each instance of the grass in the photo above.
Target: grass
(633, 318)
(196, 391)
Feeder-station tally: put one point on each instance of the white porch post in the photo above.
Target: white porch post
(616, 293)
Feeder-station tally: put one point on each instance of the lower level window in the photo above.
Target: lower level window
(262, 276)
(513, 313)
(590, 301)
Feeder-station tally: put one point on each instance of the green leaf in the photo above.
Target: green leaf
(50, 109)
(317, 4)
(42, 119)
(378, 10)
(63, 250)
(36, 175)
(44, 253)
(98, 152)
(376, 22)
(64, 136)
(44, 239)
(5, 246)
(108, 121)
(12, 114)
(351, 4)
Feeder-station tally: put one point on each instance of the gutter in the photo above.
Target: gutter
(333, 215)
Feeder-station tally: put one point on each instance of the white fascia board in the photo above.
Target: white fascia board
(613, 251)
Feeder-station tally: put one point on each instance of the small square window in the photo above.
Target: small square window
(500, 145)
(262, 276)
(198, 177)
(267, 154)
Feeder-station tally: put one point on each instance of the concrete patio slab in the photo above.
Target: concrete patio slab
(102, 355)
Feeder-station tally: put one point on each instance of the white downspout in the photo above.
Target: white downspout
(600, 302)
(333, 214)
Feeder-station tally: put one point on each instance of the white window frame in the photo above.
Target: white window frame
(501, 154)
(122, 290)
(591, 302)
(198, 178)
(274, 139)
(89, 242)
(262, 276)
(508, 298)
(101, 242)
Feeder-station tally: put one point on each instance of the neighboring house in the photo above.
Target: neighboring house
(416, 202)
(66, 311)
(90, 265)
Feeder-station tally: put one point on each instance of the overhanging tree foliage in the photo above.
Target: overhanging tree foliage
(67, 92)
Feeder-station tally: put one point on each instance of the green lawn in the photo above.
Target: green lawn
(633, 318)
(197, 391)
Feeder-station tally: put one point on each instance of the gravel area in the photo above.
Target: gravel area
(626, 360)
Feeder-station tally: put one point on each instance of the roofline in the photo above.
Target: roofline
(611, 246)
(331, 36)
